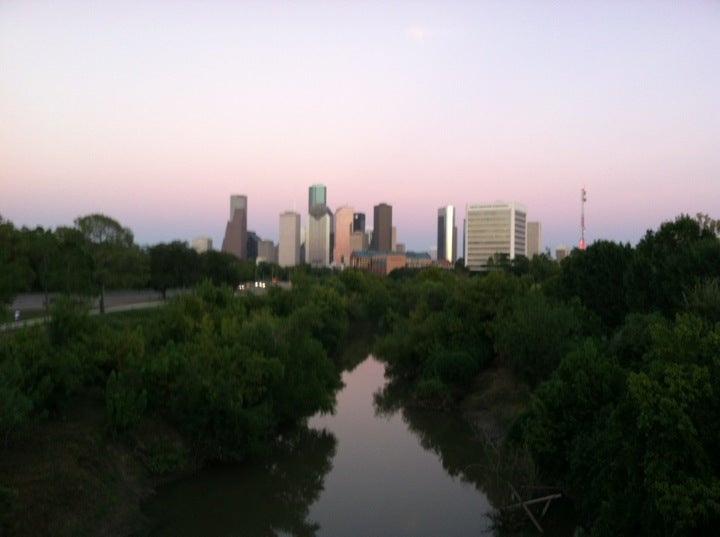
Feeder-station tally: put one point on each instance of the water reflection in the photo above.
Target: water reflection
(366, 470)
(383, 483)
(448, 436)
(464, 455)
(262, 498)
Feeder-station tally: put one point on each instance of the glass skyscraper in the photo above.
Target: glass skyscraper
(446, 234)
(317, 196)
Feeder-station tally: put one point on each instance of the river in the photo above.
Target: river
(361, 471)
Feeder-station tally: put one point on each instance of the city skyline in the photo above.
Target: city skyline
(135, 110)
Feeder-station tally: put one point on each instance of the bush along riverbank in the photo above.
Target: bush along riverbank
(615, 361)
(96, 410)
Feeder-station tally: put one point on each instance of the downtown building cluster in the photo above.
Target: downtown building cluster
(340, 239)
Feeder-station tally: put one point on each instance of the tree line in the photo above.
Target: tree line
(620, 347)
(98, 253)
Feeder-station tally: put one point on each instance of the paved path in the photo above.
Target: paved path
(36, 301)
(114, 301)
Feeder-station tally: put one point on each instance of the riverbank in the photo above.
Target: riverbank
(496, 399)
(69, 476)
(66, 476)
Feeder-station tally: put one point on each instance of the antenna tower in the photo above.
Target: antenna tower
(583, 199)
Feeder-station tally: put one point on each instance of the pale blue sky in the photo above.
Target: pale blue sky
(156, 112)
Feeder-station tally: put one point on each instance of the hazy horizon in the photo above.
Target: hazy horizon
(156, 113)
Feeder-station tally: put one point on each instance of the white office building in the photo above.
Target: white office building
(289, 245)
(494, 229)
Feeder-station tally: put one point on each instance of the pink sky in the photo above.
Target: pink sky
(156, 112)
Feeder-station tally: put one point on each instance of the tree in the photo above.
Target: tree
(679, 465)
(42, 251)
(15, 404)
(119, 263)
(566, 405)
(76, 266)
(533, 334)
(668, 263)
(704, 299)
(221, 268)
(706, 222)
(597, 277)
(638, 444)
(125, 401)
(15, 274)
(173, 264)
(543, 269)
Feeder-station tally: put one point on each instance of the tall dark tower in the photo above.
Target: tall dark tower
(359, 222)
(382, 228)
(235, 240)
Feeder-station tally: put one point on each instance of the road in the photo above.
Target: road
(36, 301)
(114, 301)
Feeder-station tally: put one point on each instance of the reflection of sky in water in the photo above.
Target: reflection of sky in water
(350, 474)
(383, 482)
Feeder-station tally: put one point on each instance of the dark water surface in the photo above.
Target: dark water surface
(359, 472)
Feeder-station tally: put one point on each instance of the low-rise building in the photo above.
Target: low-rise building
(382, 263)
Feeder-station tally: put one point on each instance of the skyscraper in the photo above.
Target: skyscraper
(358, 241)
(317, 195)
(534, 239)
(359, 222)
(266, 251)
(235, 240)
(253, 242)
(382, 228)
(318, 246)
(289, 247)
(343, 229)
(320, 231)
(446, 234)
(493, 228)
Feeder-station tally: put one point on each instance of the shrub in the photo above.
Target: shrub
(125, 403)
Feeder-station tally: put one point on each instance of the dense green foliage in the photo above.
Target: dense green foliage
(226, 372)
(620, 346)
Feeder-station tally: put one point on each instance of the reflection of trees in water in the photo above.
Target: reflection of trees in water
(461, 451)
(466, 456)
(447, 435)
(264, 497)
